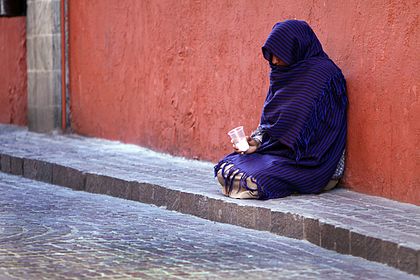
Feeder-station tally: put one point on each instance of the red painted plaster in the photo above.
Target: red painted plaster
(175, 76)
(13, 78)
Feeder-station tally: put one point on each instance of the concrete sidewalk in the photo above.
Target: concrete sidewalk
(373, 228)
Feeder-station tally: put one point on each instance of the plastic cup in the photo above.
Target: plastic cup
(238, 137)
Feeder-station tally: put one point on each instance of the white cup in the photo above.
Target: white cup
(238, 137)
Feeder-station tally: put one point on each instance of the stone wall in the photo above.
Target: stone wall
(44, 64)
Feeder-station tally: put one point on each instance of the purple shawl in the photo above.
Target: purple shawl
(303, 118)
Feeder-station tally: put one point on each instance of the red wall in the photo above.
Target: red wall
(175, 76)
(13, 78)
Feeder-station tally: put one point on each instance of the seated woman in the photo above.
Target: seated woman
(299, 145)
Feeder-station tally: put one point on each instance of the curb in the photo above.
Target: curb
(318, 232)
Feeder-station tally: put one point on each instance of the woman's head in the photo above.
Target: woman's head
(277, 61)
(291, 41)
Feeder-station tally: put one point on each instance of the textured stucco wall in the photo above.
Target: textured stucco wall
(177, 75)
(13, 78)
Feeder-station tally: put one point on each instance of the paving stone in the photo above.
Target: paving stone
(37, 170)
(389, 253)
(202, 209)
(68, 177)
(406, 258)
(188, 203)
(108, 185)
(342, 240)
(159, 195)
(327, 236)
(5, 163)
(418, 264)
(263, 219)
(222, 211)
(373, 249)
(142, 192)
(173, 200)
(358, 244)
(287, 224)
(229, 213)
(215, 209)
(16, 165)
(247, 216)
(312, 231)
(193, 204)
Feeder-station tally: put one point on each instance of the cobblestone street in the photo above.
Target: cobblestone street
(50, 232)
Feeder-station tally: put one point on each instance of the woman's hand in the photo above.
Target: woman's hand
(253, 146)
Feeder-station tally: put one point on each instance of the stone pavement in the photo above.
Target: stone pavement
(50, 232)
(373, 228)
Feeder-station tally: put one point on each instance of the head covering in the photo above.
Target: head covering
(292, 41)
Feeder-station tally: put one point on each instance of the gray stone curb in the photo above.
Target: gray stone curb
(321, 233)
